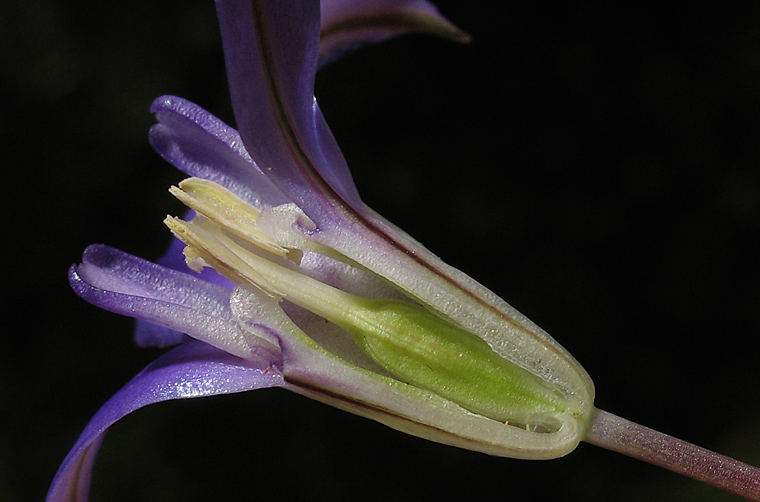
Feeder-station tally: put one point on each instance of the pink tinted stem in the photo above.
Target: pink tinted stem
(623, 436)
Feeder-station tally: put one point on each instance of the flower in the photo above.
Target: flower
(293, 282)
(411, 342)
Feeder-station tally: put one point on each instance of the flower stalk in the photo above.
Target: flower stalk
(642, 443)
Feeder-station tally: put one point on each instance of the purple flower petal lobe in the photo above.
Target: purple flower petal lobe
(347, 24)
(199, 144)
(270, 51)
(122, 283)
(148, 334)
(193, 369)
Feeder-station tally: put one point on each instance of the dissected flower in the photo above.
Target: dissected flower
(282, 277)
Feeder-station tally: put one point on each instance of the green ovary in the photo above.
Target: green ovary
(428, 352)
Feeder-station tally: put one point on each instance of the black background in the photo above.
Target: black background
(598, 168)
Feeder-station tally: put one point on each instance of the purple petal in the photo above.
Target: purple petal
(108, 276)
(122, 283)
(193, 369)
(199, 144)
(148, 334)
(270, 50)
(347, 24)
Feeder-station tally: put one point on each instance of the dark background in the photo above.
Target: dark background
(598, 168)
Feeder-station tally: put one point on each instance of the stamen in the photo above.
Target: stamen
(208, 246)
(227, 209)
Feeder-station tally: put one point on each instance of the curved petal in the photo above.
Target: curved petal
(347, 24)
(199, 144)
(193, 369)
(121, 283)
(148, 334)
(270, 49)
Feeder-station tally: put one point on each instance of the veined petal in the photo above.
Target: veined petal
(121, 283)
(199, 144)
(193, 369)
(148, 334)
(347, 24)
(270, 50)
